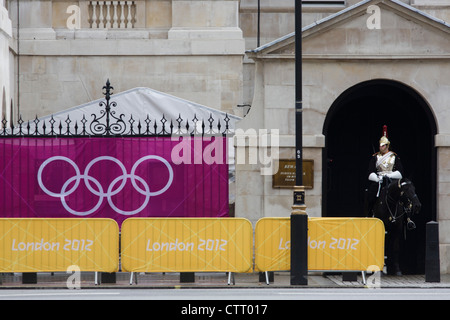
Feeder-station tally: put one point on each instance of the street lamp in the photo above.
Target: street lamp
(299, 218)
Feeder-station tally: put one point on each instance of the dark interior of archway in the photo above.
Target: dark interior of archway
(352, 130)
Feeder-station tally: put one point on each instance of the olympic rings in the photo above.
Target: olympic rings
(110, 191)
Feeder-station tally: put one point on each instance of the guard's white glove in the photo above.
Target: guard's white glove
(395, 175)
(374, 177)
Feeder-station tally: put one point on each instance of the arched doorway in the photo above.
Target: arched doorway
(352, 129)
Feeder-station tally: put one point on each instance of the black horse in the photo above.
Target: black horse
(395, 205)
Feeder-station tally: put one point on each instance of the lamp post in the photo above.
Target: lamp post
(299, 218)
(258, 33)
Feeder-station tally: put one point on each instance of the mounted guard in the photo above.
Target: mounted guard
(391, 198)
(384, 166)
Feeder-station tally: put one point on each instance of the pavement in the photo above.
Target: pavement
(59, 280)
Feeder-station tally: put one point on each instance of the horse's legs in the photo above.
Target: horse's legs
(397, 232)
(396, 254)
(393, 249)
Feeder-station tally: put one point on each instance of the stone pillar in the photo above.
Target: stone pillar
(443, 199)
(5, 36)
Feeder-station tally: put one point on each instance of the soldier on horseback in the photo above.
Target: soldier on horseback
(392, 199)
(384, 166)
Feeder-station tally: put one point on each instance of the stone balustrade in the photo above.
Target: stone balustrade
(111, 14)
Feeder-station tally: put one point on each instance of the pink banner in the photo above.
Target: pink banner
(113, 178)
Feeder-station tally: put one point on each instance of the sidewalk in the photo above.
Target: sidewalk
(217, 280)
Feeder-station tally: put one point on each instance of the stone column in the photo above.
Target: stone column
(5, 36)
(443, 199)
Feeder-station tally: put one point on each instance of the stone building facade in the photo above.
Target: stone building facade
(374, 63)
(64, 50)
(365, 64)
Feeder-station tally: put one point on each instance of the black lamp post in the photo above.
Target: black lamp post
(299, 218)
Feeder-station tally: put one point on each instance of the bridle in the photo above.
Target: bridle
(401, 201)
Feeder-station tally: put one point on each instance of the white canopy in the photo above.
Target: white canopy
(140, 105)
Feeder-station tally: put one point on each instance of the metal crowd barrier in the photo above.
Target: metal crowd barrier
(186, 245)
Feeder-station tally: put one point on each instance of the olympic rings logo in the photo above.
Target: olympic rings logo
(112, 189)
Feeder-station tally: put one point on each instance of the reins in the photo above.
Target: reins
(393, 216)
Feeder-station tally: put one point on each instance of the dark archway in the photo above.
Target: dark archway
(352, 129)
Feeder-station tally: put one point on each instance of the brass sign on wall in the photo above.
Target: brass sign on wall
(285, 177)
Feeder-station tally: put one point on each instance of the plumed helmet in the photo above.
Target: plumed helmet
(384, 138)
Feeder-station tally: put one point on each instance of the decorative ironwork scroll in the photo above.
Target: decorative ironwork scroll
(108, 122)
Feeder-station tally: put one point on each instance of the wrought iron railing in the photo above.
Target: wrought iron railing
(109, 123)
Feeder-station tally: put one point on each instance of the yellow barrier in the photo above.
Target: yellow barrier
(47, 245)
(272, 244)
(334, 244)
(187, 245)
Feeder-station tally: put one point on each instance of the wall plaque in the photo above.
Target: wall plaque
(285, 177)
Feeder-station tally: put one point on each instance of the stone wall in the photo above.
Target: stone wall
(191, 49)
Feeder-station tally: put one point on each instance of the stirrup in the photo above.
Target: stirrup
(410, 224)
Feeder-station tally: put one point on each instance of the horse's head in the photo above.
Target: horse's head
(408, 196)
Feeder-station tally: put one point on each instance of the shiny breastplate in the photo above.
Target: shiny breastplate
(385, 163)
